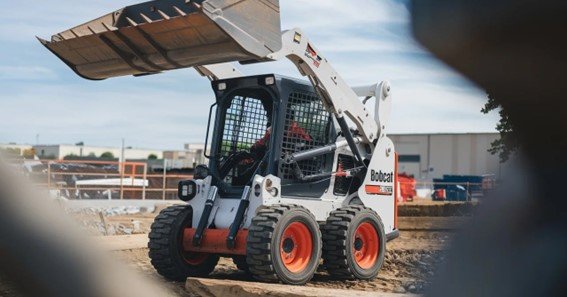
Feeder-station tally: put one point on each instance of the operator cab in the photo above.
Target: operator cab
(258, 121)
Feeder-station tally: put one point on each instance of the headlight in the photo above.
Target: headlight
(187, 190)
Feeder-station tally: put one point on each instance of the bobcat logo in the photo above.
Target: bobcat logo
(381, 176)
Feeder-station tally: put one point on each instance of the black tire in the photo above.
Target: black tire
(265, 238)
(166, 249)
(240, 262)
(339, 242)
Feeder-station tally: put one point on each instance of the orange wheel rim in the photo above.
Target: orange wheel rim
(365, 245)
(296, 247)
(195, 258)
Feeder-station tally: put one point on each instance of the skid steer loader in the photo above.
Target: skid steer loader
(289, 181)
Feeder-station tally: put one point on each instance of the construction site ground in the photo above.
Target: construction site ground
(409, 266)
(410, 263)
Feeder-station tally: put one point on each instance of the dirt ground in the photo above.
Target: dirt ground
(409, 266)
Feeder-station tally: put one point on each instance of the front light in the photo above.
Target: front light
(187, 190)
(270, 80)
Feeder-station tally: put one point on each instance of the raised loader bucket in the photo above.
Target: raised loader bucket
(163, 35)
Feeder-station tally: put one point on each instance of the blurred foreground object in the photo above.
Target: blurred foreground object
(42, 255)
(516, 51)
(513, 49)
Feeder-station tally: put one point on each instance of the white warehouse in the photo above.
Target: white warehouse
(428, 156)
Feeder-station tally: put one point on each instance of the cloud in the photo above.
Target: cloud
(348, 43)
(23, 73)
(148, 117)
(426, 108)
(330, 15)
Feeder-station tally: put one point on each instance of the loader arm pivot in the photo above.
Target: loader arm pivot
(337, 95)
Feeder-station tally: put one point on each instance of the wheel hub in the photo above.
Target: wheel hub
(366, 245)
(358, 244)
(288, 245)
(296, 247)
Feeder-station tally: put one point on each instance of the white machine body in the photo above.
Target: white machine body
(378, 190)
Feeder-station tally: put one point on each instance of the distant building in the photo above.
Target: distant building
(60, 151)
(425, 156)
(193, 154)
(18, 149)
(428, 156)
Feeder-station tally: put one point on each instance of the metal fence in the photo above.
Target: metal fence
(134, 180)
(100, 179)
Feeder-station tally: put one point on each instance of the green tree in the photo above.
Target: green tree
(71, 157)
(507, 144)
(29, 153)
(152, 157)
(107, 155)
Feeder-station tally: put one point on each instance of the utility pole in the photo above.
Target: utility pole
(122, 159)
(37, 139)
(122, 168)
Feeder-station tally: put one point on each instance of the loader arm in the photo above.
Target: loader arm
(337, 95)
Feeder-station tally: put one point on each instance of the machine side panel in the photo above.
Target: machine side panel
(378, 189)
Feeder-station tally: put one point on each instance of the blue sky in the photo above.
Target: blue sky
(366, 41)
